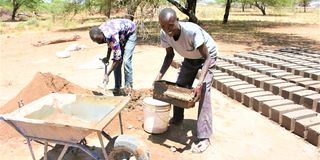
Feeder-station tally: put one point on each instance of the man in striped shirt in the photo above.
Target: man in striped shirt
(120, 35)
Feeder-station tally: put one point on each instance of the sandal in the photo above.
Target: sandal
(200, 146)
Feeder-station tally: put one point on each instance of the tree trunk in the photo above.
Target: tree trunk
(108, 8)
(263, 10)
(189, 10)
(132, 8)
(262, 7)
(15, 6)
(226, 12)
(243, 5)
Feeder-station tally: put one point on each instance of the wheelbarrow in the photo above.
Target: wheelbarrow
(67, 119)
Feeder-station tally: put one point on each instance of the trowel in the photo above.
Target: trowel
(105, 81)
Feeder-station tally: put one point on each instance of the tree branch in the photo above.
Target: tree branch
(179, 6)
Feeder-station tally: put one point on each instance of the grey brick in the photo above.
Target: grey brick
(298, 97)
(281, 74)
(288, 78)
(258, 100)
(225, 69)
(274, 63)
(219, 74)
(244, 64)
(289, 119)
(264, 69)
(297, 80)
(301, 125)
(226, 86)
(311, 101)
(250, 79)
(277, 112)
(259, 81)
(233, 89)
(276, 89)
(220, 82)
(267, 85)
(288, 92)
(288, 67)
(270, 72)
(306, 84)
(247, 98)
(243, 75)
(315, 87)
(300, 70)
(239, 94)
(308, 73)
(235, 71)
(253, 66)
(267, 105)
(313, 135)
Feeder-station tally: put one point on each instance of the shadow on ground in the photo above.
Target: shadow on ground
(73, 153)
(247, 33)
(179, 134)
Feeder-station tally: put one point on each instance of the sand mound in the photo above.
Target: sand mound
(41, 85)
(137, 97)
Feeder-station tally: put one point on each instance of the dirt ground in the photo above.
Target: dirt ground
(239, 133)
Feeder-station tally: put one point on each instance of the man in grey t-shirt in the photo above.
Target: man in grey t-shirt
(199, 51)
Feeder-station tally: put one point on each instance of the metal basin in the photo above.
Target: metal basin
(65, 117)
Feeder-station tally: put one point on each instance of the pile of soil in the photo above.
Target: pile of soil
(41, 85)
(137, 97)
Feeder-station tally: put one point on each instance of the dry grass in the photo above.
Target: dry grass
(286, 15)
(248, 28)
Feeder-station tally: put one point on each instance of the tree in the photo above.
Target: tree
(262, 4)
(189, 9)
(16, 4)
(243, 3)
(106, 7)
(304, 3)
(226, 12)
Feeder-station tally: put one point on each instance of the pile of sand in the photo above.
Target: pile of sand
(137, 97)
(41, 85)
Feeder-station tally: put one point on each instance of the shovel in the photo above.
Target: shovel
(105, 79)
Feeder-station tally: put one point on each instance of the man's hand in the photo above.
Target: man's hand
(197, 92)
(105, 60)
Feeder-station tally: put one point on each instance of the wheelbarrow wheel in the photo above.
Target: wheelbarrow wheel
(128, 147)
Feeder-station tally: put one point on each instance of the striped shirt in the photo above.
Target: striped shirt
(116, 32)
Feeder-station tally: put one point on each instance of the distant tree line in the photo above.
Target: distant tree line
(187, 7)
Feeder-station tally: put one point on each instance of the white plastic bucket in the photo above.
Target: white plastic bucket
(156, 115)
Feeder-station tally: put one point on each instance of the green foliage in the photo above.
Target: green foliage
(32, 22)
(55, 7)
(5, 3)
(303, 2)
(272, 3)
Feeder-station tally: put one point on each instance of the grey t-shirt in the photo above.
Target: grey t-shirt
(192, 36)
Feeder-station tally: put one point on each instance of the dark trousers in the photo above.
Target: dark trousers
(187, 75)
